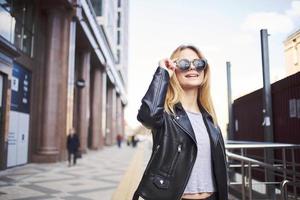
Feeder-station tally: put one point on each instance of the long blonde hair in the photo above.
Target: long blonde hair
(175, 90)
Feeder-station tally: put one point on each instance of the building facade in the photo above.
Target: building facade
(292, 53)
(63, 64)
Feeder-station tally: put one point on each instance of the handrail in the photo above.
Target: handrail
(251, 160)
(282, 168)
(257, 145)
(283, 185)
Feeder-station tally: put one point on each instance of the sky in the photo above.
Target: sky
(223, 30)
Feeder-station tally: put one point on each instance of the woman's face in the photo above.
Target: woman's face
(191, 78)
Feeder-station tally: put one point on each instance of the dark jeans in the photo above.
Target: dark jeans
(74, 157)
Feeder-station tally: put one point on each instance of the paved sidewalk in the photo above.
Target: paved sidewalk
(96, 176)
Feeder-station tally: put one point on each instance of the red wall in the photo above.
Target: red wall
(248, 111)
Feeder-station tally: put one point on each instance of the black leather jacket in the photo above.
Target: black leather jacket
(174, 146)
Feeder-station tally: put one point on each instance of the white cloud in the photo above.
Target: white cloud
(274, 22)
(295, 9)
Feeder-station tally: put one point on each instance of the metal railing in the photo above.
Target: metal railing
(285, 171)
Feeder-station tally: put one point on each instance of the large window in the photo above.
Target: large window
(17, 23)
(97, 6)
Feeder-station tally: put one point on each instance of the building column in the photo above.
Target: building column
(103, 108)
(54, 88)
(83, 107)
(119, 116)
(122, 119)
(110, 115)
(96, 108)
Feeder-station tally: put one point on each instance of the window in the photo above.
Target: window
(18, 16)
(119, 3)
(119, 38)
(97, 6)
(119, 20)
(293, 108)
(118, 56)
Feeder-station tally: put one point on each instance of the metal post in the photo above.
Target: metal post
(230, 112)
(284, 166)
(267, 106)
(243, 176)
(250, 180)
(294, 173)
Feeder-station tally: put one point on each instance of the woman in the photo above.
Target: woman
(188, 158)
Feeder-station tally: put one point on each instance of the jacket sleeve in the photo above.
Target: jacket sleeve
(151, 111)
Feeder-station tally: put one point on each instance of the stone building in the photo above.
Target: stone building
(63, 64)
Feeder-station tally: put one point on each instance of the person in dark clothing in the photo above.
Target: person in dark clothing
(119, 140)
(72, 146)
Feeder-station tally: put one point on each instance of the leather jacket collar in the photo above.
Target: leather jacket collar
(182, 119)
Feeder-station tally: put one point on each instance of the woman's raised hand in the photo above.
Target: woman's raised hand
(169, 65)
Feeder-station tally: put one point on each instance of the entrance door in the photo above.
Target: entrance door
(19, 117)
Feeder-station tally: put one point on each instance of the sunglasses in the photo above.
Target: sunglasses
(185, 64)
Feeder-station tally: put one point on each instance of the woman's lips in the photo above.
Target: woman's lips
(191, 75)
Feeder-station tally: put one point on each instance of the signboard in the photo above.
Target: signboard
(19, 117)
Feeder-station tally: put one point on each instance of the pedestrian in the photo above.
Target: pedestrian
(73, 144)
(119, 140)
(188, 155)
(134, 141)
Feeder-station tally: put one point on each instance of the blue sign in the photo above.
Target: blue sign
(20, 89)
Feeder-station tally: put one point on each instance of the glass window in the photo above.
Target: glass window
(119, 3)
(18, 35)
(17, 23)
(27, 42)
(118, 56)
(6, 23)
(119, 38)
(119, 20)
(97, 6)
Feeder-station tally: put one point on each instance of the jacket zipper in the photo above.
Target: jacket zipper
(152, 157)
(175, 159)
(187, 179)
(190, 170)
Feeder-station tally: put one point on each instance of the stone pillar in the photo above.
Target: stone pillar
(110, 115)
(63, 99)
(96, 108)
(83, 107)
(55, 84)
(122, 119)
(118, 115)
(103, 110)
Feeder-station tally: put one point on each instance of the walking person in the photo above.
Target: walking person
(72, 146)
(119, 140)
(188, 155)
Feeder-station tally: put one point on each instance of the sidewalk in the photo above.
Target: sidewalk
(106, 174)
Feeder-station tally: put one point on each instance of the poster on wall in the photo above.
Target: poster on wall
(19, 116)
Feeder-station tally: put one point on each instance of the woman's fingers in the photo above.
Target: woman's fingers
(170, 64)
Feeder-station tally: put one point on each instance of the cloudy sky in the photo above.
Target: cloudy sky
(223, 31)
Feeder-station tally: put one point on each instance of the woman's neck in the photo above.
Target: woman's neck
(189, 100)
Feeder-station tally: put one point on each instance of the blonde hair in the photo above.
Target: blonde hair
(175, 90)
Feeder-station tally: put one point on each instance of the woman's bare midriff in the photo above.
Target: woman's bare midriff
(202, 195)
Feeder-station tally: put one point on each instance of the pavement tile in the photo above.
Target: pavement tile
(96, 176)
